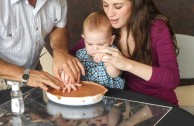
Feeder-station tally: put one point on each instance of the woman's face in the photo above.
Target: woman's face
(119, 12)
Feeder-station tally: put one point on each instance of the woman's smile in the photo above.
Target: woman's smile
(114, 21)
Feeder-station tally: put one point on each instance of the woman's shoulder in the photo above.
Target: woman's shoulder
(158, 23)
(159, 32)
(158, 26)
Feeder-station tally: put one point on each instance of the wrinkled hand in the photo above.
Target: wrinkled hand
(114, 57)
(68, 84)
(44, 80)
(69, 64)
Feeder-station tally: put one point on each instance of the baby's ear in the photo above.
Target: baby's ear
(112, 39)
(82, 36)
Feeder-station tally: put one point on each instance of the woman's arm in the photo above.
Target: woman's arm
(114, 57)
(165, 68)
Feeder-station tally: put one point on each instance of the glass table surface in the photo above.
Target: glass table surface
(109, 112)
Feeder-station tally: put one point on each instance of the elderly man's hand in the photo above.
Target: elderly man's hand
(44, 80)
(69, 64)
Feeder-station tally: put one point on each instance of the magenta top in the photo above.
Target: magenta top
(165, 77)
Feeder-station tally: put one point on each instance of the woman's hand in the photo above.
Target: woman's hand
(114, 57)
(97, 57)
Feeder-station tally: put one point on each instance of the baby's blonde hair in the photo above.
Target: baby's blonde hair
(97, 22)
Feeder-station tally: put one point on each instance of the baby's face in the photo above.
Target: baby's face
(96, 40)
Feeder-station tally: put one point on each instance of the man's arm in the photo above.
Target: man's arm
(37, 78)
(10, 71)
(59, 40)
(62, 60)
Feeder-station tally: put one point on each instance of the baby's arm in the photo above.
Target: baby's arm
(110, 69)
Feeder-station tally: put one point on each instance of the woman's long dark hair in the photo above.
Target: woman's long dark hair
(143, 13)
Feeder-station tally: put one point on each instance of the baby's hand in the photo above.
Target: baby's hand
(68, 86)
(97, 57)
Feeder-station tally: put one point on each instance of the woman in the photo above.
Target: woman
(147, 48)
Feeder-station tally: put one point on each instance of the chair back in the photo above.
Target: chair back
(186, 55)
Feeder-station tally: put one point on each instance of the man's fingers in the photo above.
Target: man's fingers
(57, 73)
(43, 80)
(69, 72)
(52, 82)
(42, 86)
(62, 76)
(75, 68)
(66, 79)
(81, 68)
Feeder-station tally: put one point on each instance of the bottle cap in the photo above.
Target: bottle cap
(15, 86)
(10, 82)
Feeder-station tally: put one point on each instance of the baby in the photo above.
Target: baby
(97, 34)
